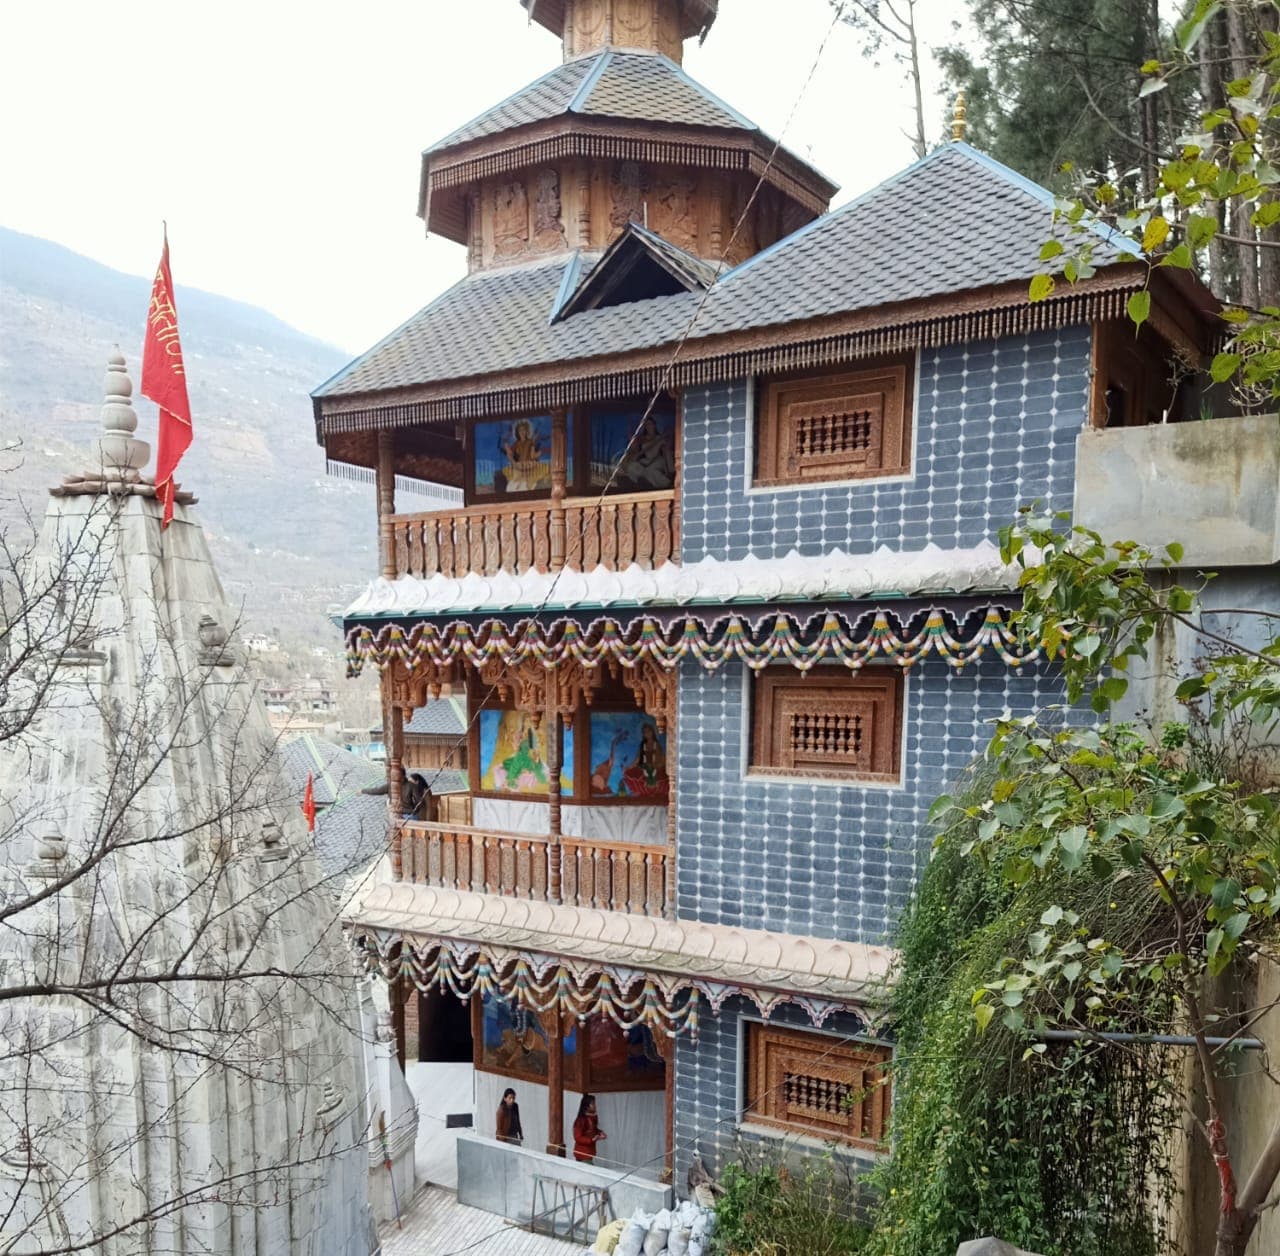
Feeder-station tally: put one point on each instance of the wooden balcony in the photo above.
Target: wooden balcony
(612, 876)
(615, 531)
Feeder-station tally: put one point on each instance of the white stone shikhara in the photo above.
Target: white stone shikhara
(208, 1100)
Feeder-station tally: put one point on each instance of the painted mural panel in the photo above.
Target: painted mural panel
(514, 1043)
(623, 1059)
(513, 754)
(628, 756)
(514, 456)
(650, 463)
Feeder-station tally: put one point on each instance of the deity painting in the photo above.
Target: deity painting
(513, 754)
(628, 756)
(514, 1043)
(623, 1059)
(513, 456)
(645, 463)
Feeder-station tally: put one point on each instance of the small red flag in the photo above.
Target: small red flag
(164, 380)
(309, 803)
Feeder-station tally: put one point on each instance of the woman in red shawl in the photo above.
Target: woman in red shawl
(586, 1131)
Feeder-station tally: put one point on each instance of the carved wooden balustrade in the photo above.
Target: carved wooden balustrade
(513, 536)
(613, 876)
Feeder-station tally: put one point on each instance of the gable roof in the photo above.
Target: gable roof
(952, 222)
(635, 251)
(441, 717)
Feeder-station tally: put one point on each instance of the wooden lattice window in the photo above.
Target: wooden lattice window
(812, 1084)
(824, 724)
(846, 426)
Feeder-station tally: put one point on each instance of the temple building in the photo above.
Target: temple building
(723, 603)
(182, 1070)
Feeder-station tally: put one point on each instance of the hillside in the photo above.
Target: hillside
(289, 541)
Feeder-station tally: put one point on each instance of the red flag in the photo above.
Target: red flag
(164, 380)
(309, 803)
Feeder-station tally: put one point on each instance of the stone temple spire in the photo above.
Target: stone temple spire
(182, 1075)
(119, 456)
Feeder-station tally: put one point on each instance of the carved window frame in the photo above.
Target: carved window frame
(810, 1084)
(835, 426)
(828, 702)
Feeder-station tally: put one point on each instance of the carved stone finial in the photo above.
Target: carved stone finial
(274, 847)
(959, 123)
(384, 1032)
(123, 455)
(213, 643)
(331, 1102)
(51, 851)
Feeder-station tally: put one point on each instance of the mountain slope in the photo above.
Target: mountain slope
(288, 540)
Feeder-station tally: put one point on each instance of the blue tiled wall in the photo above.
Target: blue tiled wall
(830, 860)
(711, 1102)
(996, 424)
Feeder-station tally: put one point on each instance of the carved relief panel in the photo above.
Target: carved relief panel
(649, 24)
(510, 219)
(673, 211)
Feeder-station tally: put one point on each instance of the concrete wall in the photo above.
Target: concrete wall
(1214, 487)
(634, 1121)
(499, 1179)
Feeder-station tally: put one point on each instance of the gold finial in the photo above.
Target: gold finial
(958, 123)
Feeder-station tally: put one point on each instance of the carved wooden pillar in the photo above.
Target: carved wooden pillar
(386, 481)
(667, 1049)
(552, 1023)
(669, 906)
(393, 736)
(555, 746)
(584, 205)
(559, 465)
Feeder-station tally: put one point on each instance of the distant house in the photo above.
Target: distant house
(260, 643)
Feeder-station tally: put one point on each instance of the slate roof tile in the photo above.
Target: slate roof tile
(441, 717)
(953, 221)
(615, 85)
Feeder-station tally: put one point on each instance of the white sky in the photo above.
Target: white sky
(281, 138)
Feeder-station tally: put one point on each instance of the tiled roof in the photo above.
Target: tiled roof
(954, 221)
(828, 968)
(351, 826)
(834, 576)
(646, 86)
(441, 717)
(337, 772)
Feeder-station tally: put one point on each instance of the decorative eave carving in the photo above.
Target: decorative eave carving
(986, 313)
(449, 175)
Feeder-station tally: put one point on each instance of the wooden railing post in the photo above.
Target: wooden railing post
(559, 468)
(386, 485)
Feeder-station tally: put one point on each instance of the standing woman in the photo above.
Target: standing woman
(509, 1130)
(586, 1131)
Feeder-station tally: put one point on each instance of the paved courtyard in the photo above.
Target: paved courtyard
(438, 1225)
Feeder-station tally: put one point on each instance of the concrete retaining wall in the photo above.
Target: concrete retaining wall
(499, 1179)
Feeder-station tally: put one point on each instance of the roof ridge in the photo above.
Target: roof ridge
(506, 100)
(588, 84)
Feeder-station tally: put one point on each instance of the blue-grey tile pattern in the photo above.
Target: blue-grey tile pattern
(984, 222)
(711, 1099)
(829, 860)
(996, 427)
